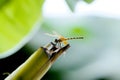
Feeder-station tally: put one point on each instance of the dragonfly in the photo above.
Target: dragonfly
(61, 39)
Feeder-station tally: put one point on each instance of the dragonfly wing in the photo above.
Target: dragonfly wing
(52, 35)
(57, 34)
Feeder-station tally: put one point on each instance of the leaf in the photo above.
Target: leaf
(88, 1)
(18, 18)
(72, 4)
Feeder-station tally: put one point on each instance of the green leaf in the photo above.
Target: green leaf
(88, 1)
(18, 18)
(72, 4)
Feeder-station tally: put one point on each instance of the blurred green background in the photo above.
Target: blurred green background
(96, 57)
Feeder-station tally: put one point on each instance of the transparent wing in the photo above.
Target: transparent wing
(55, 34)
(52, 35)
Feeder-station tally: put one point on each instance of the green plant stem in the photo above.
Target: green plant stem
(36, 66)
